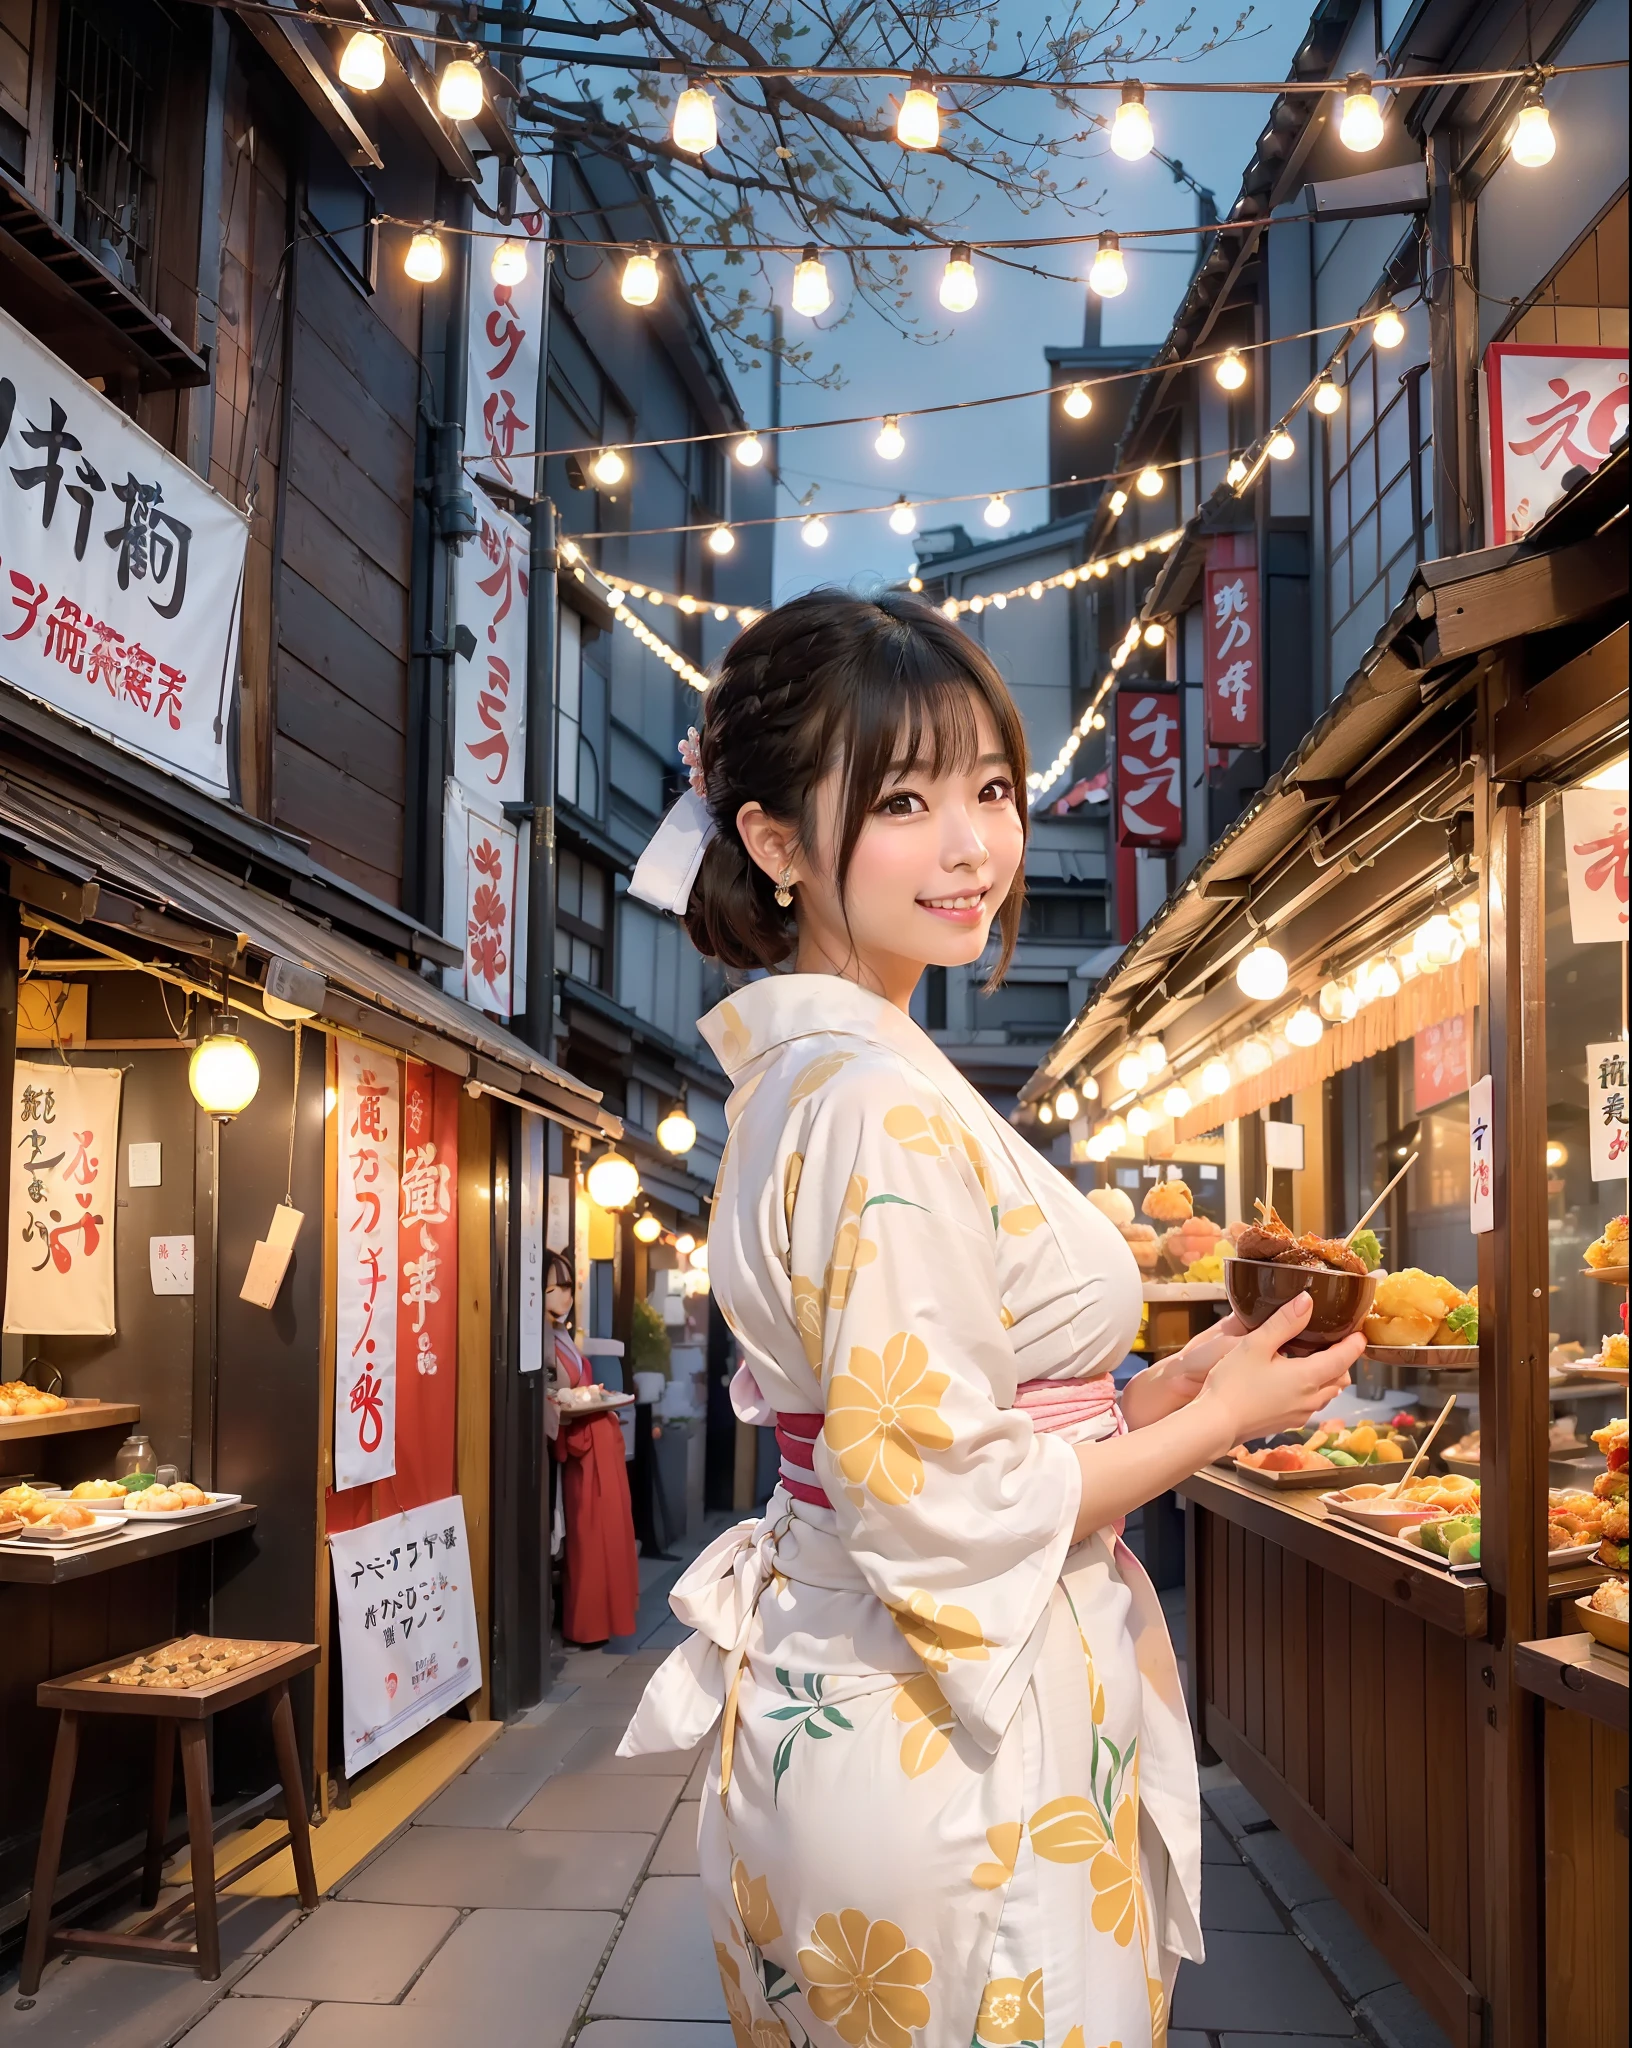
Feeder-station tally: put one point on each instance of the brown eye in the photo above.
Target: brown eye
(902, 804)
(1000, 790)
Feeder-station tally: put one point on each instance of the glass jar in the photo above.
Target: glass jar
(135, 1454)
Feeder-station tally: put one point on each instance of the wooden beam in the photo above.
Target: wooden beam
(305, 62)
(1580, 703)
(1530, 595)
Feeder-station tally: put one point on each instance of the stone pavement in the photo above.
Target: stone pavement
(549, 1896)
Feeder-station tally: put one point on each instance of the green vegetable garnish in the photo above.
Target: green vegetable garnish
(1465, 1322)
(139, 1482)
(1366, 1249)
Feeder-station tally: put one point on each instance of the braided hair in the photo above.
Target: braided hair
(870, 687)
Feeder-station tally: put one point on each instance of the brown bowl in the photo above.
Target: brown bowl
(1258, 1287)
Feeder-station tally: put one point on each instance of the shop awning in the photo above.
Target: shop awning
(129, 888)
(1377, 783)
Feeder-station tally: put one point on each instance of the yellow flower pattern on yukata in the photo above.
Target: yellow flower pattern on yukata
(939, 1634)
(746, 2030)
(1114, 1875)
(816, 1075)
(754, 1908)
(1067, 1831)
(921, 1704)
(936, 1137)
(883, 1414)
(736, 1041)
(1021, 1222)
(1004, 1843)
(1011, 2012)
(850, 1251)
(865, 1980)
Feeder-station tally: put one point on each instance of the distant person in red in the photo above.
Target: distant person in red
(602, 1575)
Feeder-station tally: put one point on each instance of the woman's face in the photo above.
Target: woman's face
(558, 1301)
(936, 859)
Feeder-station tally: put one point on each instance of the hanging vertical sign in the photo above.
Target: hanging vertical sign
(490, 676)
(428, 1293)
(530, 1281)
(1439, 1063)
(1595, 839)
(1550, 408)
(1149, 759)
(64, 1144)
(506, 325)
(1232, 675)
(366, 1282)
(1481, 1157)
(1606, 1109)
(481, 857)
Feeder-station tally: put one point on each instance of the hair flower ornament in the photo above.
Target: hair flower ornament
(665, 872)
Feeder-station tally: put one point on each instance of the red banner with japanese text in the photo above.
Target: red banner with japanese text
(1232, 644)
(428, 1312)
(1149, 765)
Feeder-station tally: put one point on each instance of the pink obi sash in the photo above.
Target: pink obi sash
(1052, 1405)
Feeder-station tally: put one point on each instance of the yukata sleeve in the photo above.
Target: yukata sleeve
(956, 1512)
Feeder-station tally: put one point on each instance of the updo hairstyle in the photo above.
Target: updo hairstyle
(875, 687)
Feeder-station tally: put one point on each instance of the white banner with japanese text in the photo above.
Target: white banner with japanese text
(64, 1149)
(1606, 1109)
(1550, 407)
(121, 571)
(1595, 863)
(481, 899)
(506, 321)
(409, 1647)
(490, 674)
(365, 1308)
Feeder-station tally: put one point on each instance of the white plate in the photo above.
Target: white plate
(217, 1500)
(57, 1539)
(1576, 1554)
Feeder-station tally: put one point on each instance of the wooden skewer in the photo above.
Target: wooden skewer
(1422, 1448)
(1350, 1235)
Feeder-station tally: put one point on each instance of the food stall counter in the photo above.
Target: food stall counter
(31, 1564)
(1570, 1671)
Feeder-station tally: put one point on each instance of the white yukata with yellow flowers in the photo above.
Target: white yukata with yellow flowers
(962, 1802)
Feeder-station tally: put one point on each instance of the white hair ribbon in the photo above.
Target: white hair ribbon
(666, 870)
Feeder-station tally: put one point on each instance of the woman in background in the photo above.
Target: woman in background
(602, 1574)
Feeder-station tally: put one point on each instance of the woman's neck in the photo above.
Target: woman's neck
(890, 975)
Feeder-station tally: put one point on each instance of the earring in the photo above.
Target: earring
(784, 888)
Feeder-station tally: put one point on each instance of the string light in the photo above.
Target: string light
(1140, 1121)
(695, 127)
(1090, 1089)
(1108, 276)
(1361, 127)
(812, 294)
(1045, 1112)
(721, 541)
(813, 531)
(640, 277)
(459, 91)
(1388, 329)
(1132, 136)
(362, 62)
(1150, 482)
(1230, 371)
(1304, 1027)
(959, 291)
(997, 511)
(609, 468)
(750, 451)
(1260, 974)
(1077, 404)
(1236, 474)
(903, 519)
(425, 261)
(918, 124)
(1152, 1057)
(1119, 505)
(1282, 447)
(1155, 633)
(1176, 1102)
(1216, 1078)
(891, 442)
(1328, 395)
(509, 265)
(1066, 1104)
(1533, 141)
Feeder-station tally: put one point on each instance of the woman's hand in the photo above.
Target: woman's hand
(1255, 1389)
(1175, 1381)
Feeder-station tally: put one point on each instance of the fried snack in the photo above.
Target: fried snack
(97, 1489)
(157, 1500)
(1615, 1351)
(1169, 1201)
(23, 1500)
(1399, 1330)
(194, 1660)
(1412, 1292)
(1461, 1326)
(65, 1514)
(1268, 1238)
(1610, 1249)
(1333, 1252)
(1611, 1599)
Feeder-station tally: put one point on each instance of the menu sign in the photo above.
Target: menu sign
(1232, 674)
(64, 1145)
(1595, 863)
(1606, 1109)
(1149, 758)
(1481, 1157)
(121, 571)
(366, 1270)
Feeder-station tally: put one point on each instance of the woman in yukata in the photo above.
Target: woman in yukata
(954, 1797)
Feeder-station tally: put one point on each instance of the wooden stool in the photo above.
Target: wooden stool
(185, 1710)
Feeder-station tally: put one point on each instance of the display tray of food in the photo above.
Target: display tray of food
(187, 1663)
(1610, 1257)
(178, 1503)
(1604, 1615)
(1285, 1477)
(590, 1400)
(66, 1522)
(33, 1411)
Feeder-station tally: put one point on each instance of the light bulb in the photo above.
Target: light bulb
(1331, 1001)
(1090, 1089)
(1282, 447)
(1388, 329)
(640, 277)
(362, 62)
(1140, 1121)
(1361, 127)
(918, 124)
(609, 468)
(1077, 402)
(509, 265)
(891, 442)
(1304, 1027)
(697, 1257)
(1533, 141)
(1130, 1071)
(1435, 943)
(812, 294)
(1045, 1113)
(959, 290)
(721, 541)
(677, 1132)
(1108, 278)
(1236, 474)
(749, 451)
(1255, 1056)
(1066, 1104)
(1155, 633)
(1119, 504)
(1216, 1078)
(902, 517)
(1100, 569)
(997, 511)
(459, 91)
(1230, 371)
(1176, 1102)
(1261, 974)
(695, 128)
(813, 530)
(1114, 1135)
(612, 1182)
(424, 261)
(1131, 133)
(1150, 483)
(647, 1228)
(1328, 396)
(223, 1073)
(1385, 980)
(1557, 1154)
(1152, 1057)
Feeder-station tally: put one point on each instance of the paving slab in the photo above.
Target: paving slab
(247, 2023)
(657, 2034)
(599, 1803)
(1288, 1876)
(363, 1954)
(663, 1966)
(510, 1977)
(597, 1750)
(1258, 1983)
(1216, 1846)
(1232, 1901)
(394, 2026)
(1397, 2020)
(1235, 1809)
(527, 1752)
(470, 1801)
(504, 1867)
(87, 2003)
(1345, 1951)
(676, 1854)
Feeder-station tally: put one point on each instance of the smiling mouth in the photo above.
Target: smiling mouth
(970, 901)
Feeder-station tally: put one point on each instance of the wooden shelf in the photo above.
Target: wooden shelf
(68, 1421)
(1571, 1671)
(45, 1565)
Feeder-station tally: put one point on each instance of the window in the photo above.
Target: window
(1034, 1011)
(113, 74)
(1077, 916)
(341, 207)
(581, 896)
(569, 674)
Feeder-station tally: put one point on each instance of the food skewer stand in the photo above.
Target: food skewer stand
(1431, 1726)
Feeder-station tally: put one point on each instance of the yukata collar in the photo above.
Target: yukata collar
(765, 1014)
